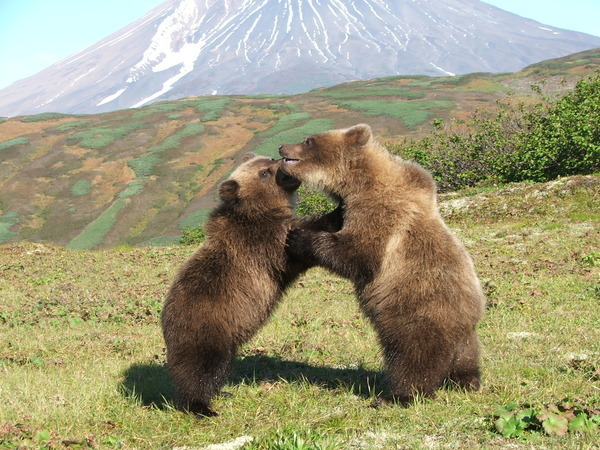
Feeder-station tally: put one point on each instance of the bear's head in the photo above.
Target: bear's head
(260, 182)
(324, 160)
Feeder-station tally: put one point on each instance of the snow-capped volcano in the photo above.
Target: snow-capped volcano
(193, 47)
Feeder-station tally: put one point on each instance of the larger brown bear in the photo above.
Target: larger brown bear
(226, 290)
(414, 280)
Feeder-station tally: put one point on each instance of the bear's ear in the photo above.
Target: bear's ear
(359, 134)
(248, 156)
(228, 191)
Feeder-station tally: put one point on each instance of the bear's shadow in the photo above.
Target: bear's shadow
(151, 385)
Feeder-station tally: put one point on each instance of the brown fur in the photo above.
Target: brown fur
(414, 280)
(226, 291)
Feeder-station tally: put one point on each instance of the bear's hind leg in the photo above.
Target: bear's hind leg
(198, 375)
(465, 371)
(416, 366)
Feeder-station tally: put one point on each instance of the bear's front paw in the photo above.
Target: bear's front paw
(299, 244)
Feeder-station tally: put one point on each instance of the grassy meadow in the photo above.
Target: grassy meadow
(82, 356)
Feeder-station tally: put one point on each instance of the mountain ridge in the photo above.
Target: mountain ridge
(234, 47)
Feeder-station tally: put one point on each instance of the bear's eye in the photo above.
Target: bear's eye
(309, 142)
(263, 173)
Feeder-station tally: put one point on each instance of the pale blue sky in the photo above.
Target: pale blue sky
(34, 34)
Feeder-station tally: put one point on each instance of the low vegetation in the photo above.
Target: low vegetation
(82, 359)
(517, 141)
(82, 356)
(177, 152)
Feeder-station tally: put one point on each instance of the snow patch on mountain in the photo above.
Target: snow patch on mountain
(196, 47)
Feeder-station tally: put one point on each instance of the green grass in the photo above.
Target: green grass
(144, 165)
(12, 142)
(285, 122)
(411, 113)
(43, 117)
(372, 91)
(81, 187)
(101, 136)
(7, 220)
(270, 145)
(194, 219)
(72, 125)
(93, 234)
(82, 356)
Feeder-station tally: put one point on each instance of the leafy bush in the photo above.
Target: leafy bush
(372, 91)
(515, 142)
(565, 140)
(193, 236)
(145, 164)
(313, 203)
(555, 419)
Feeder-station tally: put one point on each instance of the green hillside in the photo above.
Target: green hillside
(140, 176)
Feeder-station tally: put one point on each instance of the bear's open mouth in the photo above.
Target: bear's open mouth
(290, 160)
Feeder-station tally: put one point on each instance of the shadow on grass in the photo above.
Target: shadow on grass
(261, 368)
(151, 385)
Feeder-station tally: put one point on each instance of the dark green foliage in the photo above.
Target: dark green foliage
(193, 227)
(313, 203)
(566, 139)
(516, 142)
(193, 236)
(555, 419)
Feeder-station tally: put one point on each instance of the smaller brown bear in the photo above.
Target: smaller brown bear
(414, 280)
(226, 291)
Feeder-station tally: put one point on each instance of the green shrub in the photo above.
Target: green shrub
(563, 141)
(515, 142)
(193, 236)
(71, 125)
(372, 91)
(81, 187)
(43, 117)
(12, 142)
(193, 220)
(312, 202)
(144, 165)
